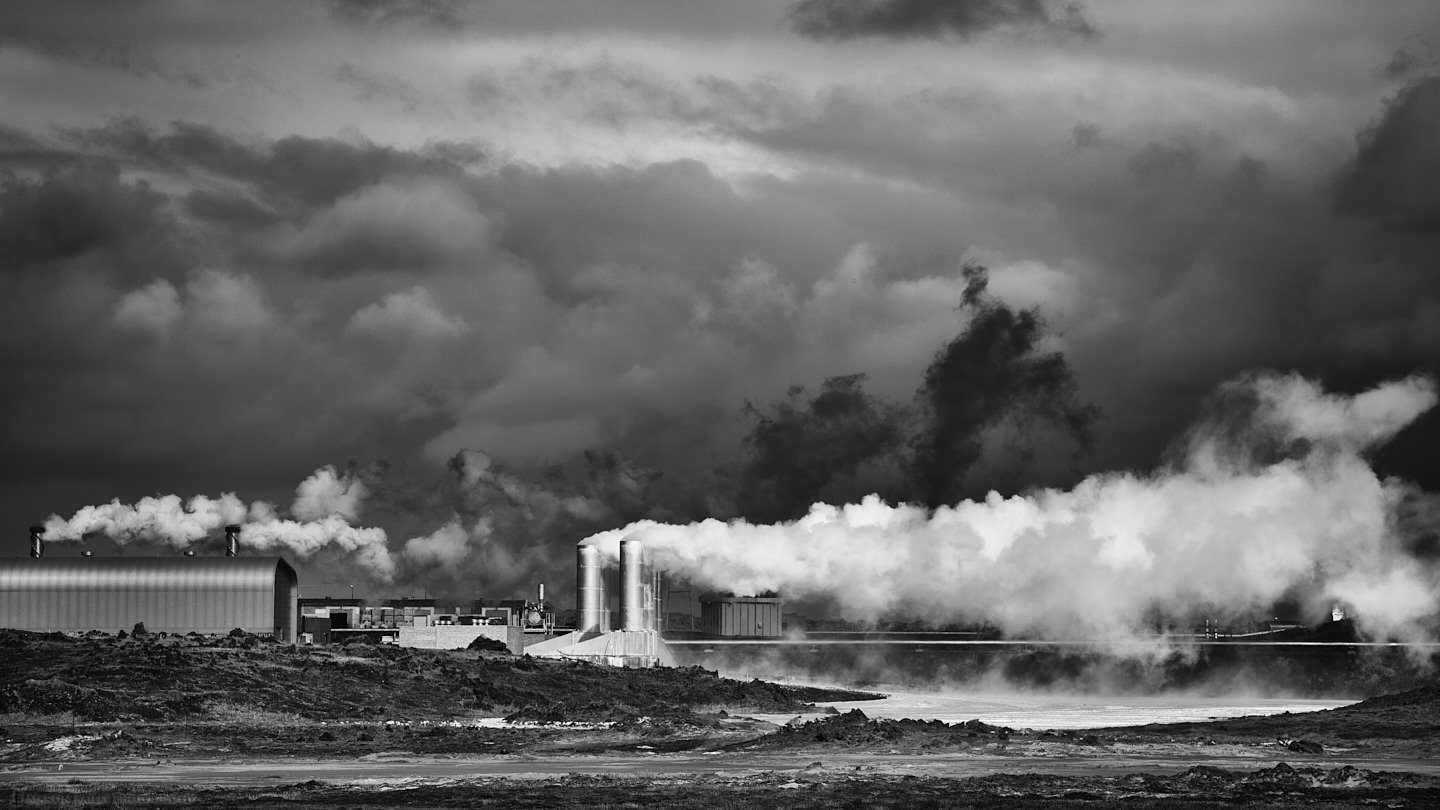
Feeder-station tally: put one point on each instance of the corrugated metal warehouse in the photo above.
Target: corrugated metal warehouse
(173, 594)
(740, 616)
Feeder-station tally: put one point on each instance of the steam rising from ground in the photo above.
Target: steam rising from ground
(1268, 496)
(325, 504)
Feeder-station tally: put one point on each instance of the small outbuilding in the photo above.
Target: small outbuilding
(730, 616)
(172, 594)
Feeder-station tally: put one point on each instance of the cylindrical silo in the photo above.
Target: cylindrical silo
(232, 540)
(589, 590)
(632, 586)
(37, 541)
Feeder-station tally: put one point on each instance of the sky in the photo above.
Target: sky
(469, 242)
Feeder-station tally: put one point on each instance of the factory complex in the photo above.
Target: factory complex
(187, 593)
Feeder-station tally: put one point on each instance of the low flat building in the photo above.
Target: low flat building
(180, 594)
(730, 616)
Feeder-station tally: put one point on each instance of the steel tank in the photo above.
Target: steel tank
(590, 590)
(632, 586)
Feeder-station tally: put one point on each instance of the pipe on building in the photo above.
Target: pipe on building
(632, 586)
(232, 540)
(37, 541)
(589, 590)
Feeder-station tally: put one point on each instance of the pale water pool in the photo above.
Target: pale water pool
(1056, 711)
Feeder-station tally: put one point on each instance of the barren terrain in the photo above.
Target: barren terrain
(151, 720)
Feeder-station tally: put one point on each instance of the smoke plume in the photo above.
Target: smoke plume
(1268, 496)
(324, 504)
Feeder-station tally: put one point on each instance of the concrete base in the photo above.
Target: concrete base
(618, 648)
(459, 636)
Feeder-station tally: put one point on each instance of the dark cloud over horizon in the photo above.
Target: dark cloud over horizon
(529, 240)
(938, 19)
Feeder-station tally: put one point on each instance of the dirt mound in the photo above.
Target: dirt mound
(483, 644)
(854, 729)
(158, 677)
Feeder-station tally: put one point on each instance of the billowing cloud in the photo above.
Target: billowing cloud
(402, 315)
(153, 308)
(387, 233)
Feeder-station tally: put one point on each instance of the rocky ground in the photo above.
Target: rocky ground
(151, 695)
(1280, 786)
(113, 708)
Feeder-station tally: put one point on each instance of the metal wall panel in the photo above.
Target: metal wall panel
(741, 616)
(173, 594)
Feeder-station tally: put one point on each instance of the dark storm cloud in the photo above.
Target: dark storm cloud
(549, 311)
(439, 13)
(69, 213)
(122, 39)
(307, 171)
(236, 211)
(937, 19)
(1171, 161)
(1203, 249)
(1393, 177)
(43, 31)
(336, 199)
(373, 87)
(1417, 55)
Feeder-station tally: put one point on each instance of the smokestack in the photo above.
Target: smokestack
(232, 540)
(632, 586)
(542, 593)
(589, 591)
(37, 541)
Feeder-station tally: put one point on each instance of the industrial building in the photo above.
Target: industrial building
(730, 616)
(179, 594)
(517, 623)
(636, 642)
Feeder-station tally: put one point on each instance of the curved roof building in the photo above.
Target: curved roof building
(173, 594)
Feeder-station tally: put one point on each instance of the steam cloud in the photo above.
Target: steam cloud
(325, 504)
(1269, 496)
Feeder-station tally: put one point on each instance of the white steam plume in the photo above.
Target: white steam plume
(327, 493)
(1223, 531)
(166, 520)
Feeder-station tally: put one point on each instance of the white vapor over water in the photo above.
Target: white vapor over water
(1269, 496)
(324, 505)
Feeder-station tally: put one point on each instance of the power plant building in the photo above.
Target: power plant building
(178, 594)
(727, 616)
(636, 642)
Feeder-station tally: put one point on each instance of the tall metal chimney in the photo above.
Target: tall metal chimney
(37, 541)
(590, 591)
(632, 586)
(232, 540)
